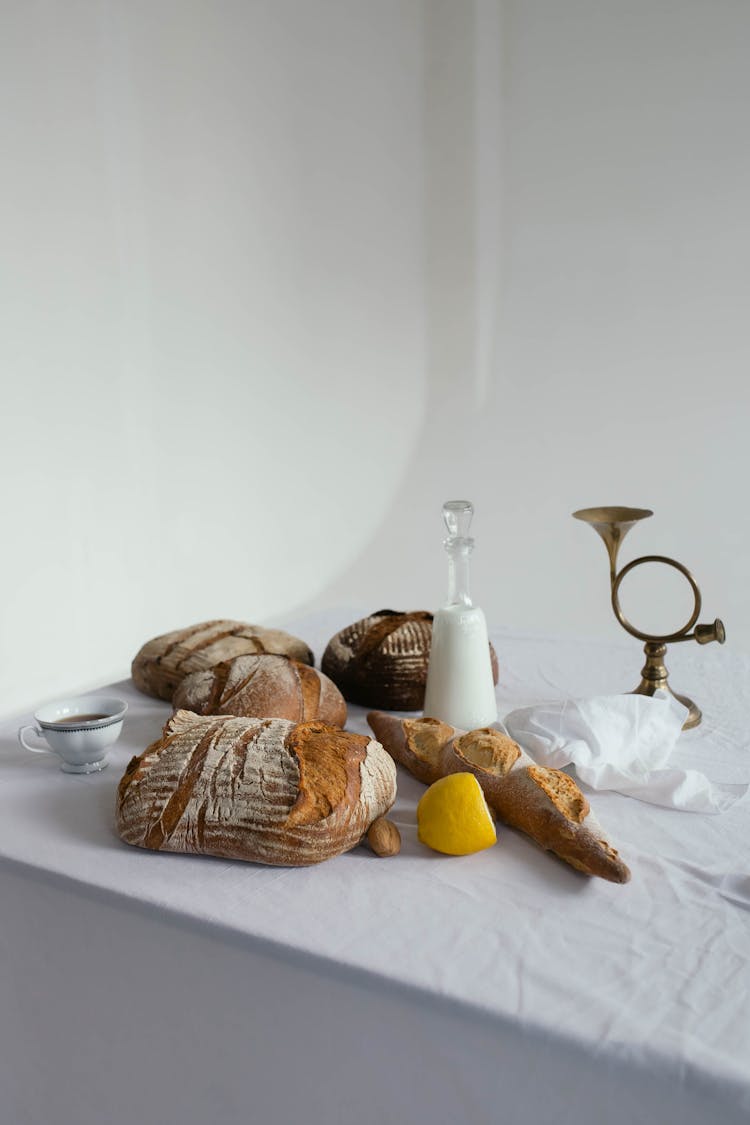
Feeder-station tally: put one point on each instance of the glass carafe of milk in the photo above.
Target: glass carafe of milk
(460, 690)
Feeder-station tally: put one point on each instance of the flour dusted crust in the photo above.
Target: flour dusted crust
(266, 790)
(488, 750)
(262, 685)
(423, 744)
(381, 660)
(162, 663)
(545, 804)
(534, 801)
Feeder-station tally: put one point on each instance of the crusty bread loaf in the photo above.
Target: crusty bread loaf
(262, 685)
(266, 790)
(163, 662)
(381, 660)
(546, 804)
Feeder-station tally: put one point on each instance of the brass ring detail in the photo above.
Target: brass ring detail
(680, 634)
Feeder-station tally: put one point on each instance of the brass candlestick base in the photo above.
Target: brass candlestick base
(654, 678)
(613, 524)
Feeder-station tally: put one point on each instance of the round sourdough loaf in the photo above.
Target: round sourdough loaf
(381, 661)
(162, 663)
(261, 685)
(265, 790)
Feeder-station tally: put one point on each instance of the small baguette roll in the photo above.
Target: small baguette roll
(265, 790)
(260, 686)
(162, 663)
(545, 804)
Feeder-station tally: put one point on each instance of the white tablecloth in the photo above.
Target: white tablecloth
(500, 987)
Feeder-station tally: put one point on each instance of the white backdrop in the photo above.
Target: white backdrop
(278, 278)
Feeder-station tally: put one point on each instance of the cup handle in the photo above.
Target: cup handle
(27, 745)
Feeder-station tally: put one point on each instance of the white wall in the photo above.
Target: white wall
(211, 313)
(278, 278)
(588, 336)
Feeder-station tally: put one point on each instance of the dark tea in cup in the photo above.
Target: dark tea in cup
(74, 720)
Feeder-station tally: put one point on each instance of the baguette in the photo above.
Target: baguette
(262, 685)
(162, 663)
(265, 790)
(545, 804)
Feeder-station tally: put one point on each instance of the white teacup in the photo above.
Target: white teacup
(79, 730)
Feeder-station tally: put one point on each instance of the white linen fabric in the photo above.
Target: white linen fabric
(620, 742)
(499, 987)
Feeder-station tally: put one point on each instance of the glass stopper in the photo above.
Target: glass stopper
(457, 515)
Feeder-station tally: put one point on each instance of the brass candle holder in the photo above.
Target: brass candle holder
(613, 524)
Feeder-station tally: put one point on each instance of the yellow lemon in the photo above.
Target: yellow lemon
(453, 817)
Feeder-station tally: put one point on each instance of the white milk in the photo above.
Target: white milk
(460, 690)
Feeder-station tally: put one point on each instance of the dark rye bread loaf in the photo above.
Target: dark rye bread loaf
(265, 790)
(545, 804)
(382, 660)
(261, 685)
(162, 663)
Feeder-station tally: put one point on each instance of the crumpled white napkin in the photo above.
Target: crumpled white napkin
(620, 742)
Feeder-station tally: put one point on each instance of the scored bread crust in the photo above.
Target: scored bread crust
(262, 685)
(545, 804)
(266, 790)
(163, 662)
(381, 661)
